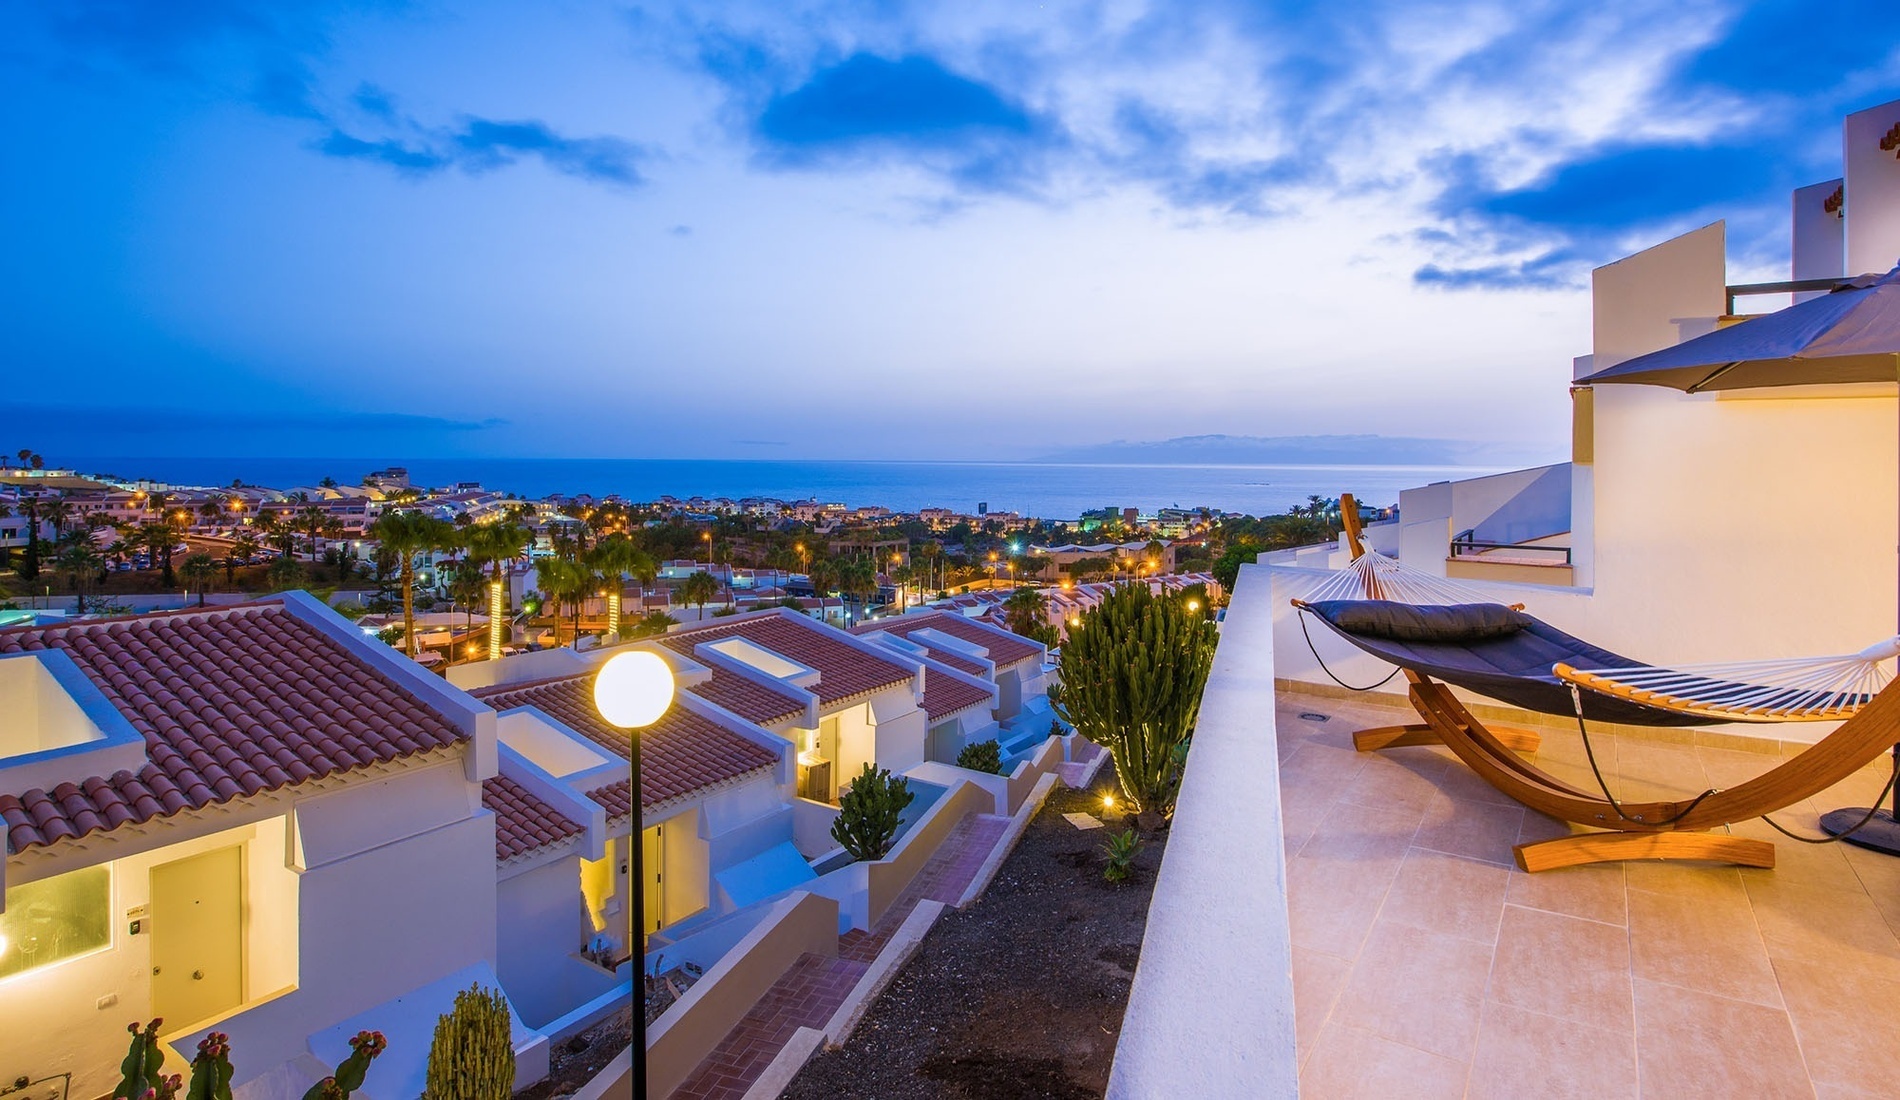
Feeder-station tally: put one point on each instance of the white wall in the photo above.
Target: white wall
(1873, 191)
(53, 1020)
(1820, 238)
(541, 922)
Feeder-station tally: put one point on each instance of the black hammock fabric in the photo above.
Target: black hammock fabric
(1512, 668)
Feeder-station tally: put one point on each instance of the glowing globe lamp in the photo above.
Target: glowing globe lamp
(633, 689)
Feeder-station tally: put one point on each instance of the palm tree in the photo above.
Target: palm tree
(857, 579)
(275, 530)
(200, 572)
(309, 520)
(822, 575)
(78, 565)
(161, 541)
(564, 580)
(407, 534)
(614, 556)
(211, 510)
(30, 511)
(699, 589)
(242, 549)
(58, 512)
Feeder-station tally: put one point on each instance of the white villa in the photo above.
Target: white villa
(1382, 942)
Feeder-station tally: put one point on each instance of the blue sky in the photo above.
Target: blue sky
(867, 230)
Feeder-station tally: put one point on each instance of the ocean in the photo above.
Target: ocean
(1060, 491)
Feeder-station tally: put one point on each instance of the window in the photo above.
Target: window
(55, 919)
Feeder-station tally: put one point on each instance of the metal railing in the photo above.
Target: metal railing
(1792, 286)
(1465, 543)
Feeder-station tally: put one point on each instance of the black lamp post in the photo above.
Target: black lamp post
(633, 690)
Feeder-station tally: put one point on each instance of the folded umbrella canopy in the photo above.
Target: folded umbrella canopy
(1851, 334)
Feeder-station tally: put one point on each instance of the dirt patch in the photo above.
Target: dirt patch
(1017, 998)
(575, 1062)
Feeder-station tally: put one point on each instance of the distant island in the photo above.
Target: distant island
(1303, 450)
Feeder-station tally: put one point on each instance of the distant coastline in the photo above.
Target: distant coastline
(1049, 490)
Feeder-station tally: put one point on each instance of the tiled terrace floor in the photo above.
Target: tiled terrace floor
(1426, 965)
(816, 985)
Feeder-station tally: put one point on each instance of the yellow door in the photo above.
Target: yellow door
(653, 867)
(197, 937)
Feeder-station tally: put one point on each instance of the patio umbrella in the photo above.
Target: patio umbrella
(1851, 334)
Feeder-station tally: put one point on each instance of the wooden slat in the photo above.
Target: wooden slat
(1574, 851)
(1394, 737)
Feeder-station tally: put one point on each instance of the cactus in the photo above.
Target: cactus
(364, 1047)
(141, 1075)
(982, 756)
(869, 813)
(1132, 675)
(473, 1054)
(211, 1069)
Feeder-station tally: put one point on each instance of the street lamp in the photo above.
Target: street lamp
(631, 691)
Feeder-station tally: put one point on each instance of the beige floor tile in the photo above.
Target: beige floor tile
(1811, 864)
(1562, 966)
(1593, 892)
(1841, 928)
(1527, 1054)
(1708, 943)
(1449, 894)
(1332, 904)
(1691, 880)
(1417, 987)
(1538, 827)
(1461, 784)
(1879, 874)
(1348, 1064)
(1317, 980)
(1388, 782)
(1479, 830)
(1845, 1020)
(1693, 1044)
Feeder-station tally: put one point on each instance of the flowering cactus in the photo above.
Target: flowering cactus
(364, 1048)
(140, 1074)
(211, 1069)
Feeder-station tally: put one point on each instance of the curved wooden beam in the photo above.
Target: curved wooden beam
(1393, 737)
(1575, 851)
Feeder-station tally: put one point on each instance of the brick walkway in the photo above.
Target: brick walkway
(816, 985)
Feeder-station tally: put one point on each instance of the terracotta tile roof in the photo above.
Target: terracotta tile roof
(1004, 647)
(750, 700)
(679, 754)
(231, 702)
(957, 661)
(844, 670)
(523, 823)
(945, 695)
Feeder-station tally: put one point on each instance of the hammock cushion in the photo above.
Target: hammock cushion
(1511, 667)
(1404, 622)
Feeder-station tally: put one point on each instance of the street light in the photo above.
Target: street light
(631, 691)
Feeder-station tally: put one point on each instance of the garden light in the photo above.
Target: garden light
(633, 689)
(1108, 803)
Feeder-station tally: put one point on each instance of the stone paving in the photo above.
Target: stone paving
(1426, 965)
(816, 985)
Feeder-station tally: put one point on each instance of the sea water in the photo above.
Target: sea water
(1048, 490)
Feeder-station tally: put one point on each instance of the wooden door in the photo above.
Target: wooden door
(197, 937)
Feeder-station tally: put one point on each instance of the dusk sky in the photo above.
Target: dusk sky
(870, 230)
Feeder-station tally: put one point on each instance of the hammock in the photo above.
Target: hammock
(1533, 665)
(1374, 576)
(1501, 653)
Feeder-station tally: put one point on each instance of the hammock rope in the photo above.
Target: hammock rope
(1374, 576)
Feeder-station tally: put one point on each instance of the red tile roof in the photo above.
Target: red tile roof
(844, 670)
(681, 753)
(523, 823)
(231, 702)
(957, 661)
(750, 700)
(945, 695)
(1004, 648)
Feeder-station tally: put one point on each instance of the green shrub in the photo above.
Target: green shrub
(870, 812)
(364, 1048)
(1121, 848)
(982, 756)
